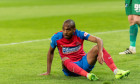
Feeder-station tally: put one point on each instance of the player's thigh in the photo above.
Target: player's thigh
(92, 55)
(130, 18)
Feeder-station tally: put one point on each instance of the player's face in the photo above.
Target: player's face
(68, 32)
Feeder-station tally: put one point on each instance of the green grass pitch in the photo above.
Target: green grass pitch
(28, 20)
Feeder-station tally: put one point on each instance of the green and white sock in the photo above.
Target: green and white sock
(133, 34)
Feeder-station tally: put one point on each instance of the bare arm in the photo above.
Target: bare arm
(100, 47)
(49, 60)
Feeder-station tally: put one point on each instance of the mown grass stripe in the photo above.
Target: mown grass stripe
(12, 13)
(49, 38)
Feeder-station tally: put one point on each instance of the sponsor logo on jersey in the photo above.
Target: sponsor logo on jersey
(68, 50)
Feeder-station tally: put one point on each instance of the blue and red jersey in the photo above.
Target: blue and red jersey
(71, 48)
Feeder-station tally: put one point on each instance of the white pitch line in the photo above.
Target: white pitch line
(24, 42)
(97, 33)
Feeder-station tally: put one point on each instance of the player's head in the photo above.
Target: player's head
(68, 28)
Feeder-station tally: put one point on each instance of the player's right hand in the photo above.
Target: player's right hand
(46, 73)
(100, 57)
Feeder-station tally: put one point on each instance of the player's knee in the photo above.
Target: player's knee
(132, 22)
(96, 48)
(137, 19)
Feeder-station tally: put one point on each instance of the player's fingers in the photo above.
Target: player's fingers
(100, 61)
(44, 74)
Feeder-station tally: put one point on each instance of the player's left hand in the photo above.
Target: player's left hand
(100, 57)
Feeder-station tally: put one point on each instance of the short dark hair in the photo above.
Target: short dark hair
(69, 23)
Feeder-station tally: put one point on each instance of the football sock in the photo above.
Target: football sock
(133, 34)
(109, 61)
(74, 68)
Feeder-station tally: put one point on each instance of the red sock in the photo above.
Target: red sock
(108, 60)
(74, 68)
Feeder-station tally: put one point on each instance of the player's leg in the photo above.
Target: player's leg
(72, 67)
(109, 62)
(134, 26)
(133, 32)
(133, 35)
(92, 58)
(133, 10)
(87, 64)
(137, 19)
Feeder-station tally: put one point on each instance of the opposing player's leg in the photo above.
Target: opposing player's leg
(137, 19)
(133, 35)
(132, 8)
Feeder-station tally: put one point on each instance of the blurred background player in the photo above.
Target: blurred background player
(132, 8)
(75, 61)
